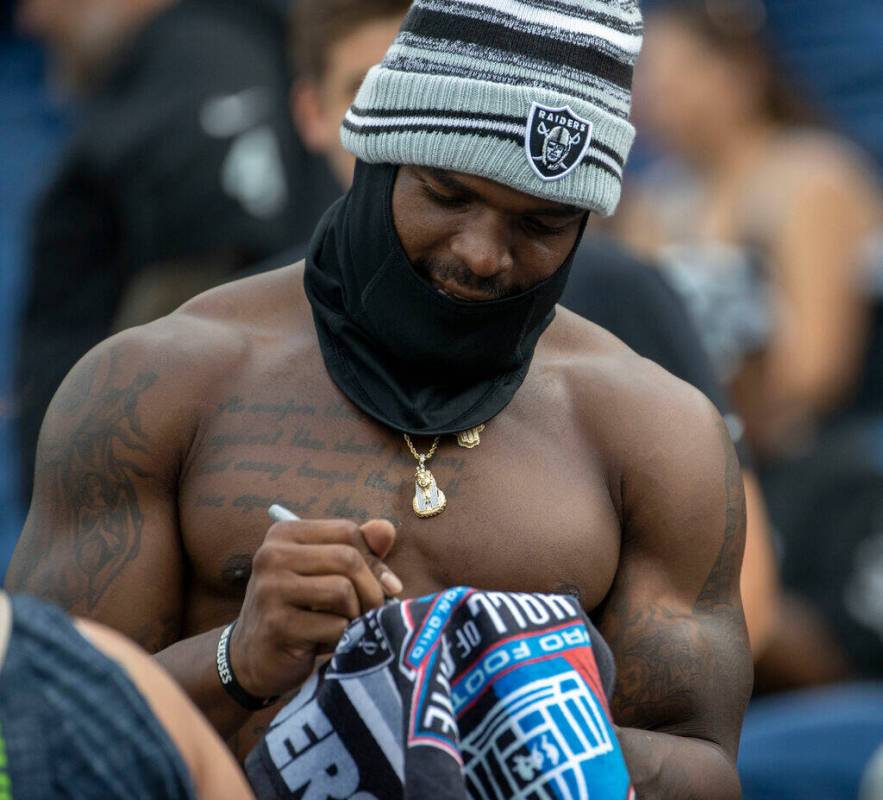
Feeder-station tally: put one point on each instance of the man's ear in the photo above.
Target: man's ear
(306, 111)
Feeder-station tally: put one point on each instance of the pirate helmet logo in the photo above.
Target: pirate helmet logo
(556, 141)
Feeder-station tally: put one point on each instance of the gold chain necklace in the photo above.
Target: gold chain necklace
(429, 500)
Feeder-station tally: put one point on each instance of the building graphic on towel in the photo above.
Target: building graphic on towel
(541, 738)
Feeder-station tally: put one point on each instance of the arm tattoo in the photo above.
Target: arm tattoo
(90, 475)
(108, 519)
(658, 660)
(679, 671)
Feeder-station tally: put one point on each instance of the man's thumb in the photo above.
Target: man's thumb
(380, 536)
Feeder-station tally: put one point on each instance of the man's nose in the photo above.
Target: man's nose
(484, 245)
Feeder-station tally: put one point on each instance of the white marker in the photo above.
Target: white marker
(282, 514)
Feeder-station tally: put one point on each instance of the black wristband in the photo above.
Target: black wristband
(228, 677)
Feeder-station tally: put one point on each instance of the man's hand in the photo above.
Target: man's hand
(309, 580)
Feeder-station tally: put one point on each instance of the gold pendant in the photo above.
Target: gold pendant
(470, 438)
(429, 500)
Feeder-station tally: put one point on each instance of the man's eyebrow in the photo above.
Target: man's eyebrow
(449, 182)
(554, 211)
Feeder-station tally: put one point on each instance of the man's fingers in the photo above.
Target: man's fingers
(333, 594)
(379, 535)
(319, 627)
(318, 531)
(342, 560)
(373, 540)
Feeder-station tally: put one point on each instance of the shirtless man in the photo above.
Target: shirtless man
(597, 473)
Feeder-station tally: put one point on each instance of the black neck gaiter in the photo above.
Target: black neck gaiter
(413, 359)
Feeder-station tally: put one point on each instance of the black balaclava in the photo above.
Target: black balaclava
(412, 358)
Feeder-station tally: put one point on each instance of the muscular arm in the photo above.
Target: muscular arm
(101, 538)
(674, 618)
(631, 299)
(102, 506)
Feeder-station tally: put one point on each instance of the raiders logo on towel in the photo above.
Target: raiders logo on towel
(556, 141)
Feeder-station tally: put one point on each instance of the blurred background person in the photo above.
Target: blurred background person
(762, 219)
(818, 743)
(183, 168)
(765, 223)
(334, 44)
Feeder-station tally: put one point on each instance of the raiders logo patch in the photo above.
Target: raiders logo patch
(555, 141)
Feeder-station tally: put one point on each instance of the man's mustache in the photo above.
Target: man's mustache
(452, 272)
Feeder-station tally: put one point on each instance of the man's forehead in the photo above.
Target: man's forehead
(485, 188)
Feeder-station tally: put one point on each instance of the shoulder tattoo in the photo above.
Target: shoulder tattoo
(86, 522)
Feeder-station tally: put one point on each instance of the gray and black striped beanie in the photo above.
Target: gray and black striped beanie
(533, 94)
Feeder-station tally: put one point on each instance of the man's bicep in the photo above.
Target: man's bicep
(674, 618)
(101, 536)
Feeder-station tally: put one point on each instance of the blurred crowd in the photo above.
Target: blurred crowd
(151, 149)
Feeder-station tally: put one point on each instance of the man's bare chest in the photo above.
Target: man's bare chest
(525, 511)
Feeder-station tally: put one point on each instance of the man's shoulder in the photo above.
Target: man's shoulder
(658, 436)
(247, 301)
(216, 333)
(228, 320)
(616, 386)
(595, 353)
(159, 381)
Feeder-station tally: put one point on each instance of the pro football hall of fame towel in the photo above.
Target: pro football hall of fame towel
(461, 694)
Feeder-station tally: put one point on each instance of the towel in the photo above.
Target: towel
(460, 694)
